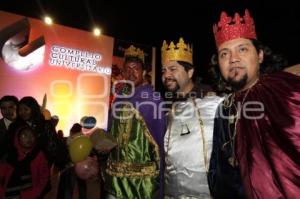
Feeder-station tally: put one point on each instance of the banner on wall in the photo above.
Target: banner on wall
(72, 67)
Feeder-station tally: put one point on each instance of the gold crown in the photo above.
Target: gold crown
(134, 52)
(180, 52)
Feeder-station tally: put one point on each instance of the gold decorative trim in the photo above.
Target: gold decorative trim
(149, 136)
(128, 169)
(204, 144)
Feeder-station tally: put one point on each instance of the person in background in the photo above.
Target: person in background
(29, 113)
(25, 173)
(68, 178)
(134, 168)
(8, 107)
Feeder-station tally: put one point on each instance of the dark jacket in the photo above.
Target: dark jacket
(224, 180)
(3, 135)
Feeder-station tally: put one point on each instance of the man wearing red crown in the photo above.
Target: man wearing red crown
(188, 140)
(256, 147)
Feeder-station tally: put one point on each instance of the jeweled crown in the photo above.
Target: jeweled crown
(132, 51)
(238, 27)
(180, 52)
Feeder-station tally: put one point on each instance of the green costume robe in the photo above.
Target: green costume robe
(133, 166)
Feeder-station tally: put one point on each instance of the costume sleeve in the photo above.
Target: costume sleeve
(156, 121)
(269, 146)
(224, 180)
(211, 176)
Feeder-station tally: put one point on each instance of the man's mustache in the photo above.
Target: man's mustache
(170, 79)
(232, 68)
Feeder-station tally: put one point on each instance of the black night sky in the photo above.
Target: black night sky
(150, 22)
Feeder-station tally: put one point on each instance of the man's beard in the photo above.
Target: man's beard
(173, 90)
(238, 85)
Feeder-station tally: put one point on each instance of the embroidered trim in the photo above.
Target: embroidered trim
(127, 169)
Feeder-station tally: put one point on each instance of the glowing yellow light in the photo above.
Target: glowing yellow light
(48, 20)
(97, 32)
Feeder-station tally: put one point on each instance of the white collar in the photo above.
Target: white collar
(7, 122)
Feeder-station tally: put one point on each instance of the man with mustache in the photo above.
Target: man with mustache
(135, 165)
(188, 140)
(256, 147)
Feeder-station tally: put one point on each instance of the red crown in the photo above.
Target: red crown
(228, 28)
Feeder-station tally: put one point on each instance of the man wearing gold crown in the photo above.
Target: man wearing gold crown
(188, 140)
(257, 128)
(133, 166)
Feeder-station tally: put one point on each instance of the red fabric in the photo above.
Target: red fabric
(229, 28)
(40, 173)
(268, 149)
(5, 172)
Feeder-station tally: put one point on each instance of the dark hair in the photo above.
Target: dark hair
(25, 127)
(272, 62)
(76, 128)
(60, 133)
(187, 66)
(134, 59)
(9, 98)
(34, 106)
